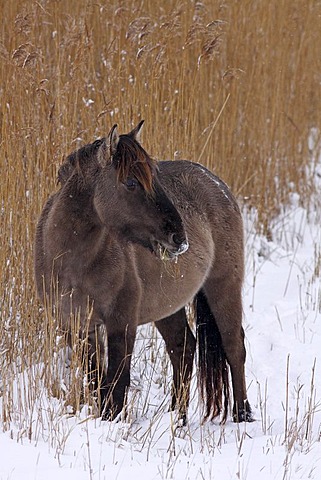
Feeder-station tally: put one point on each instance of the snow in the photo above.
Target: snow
(282, 320)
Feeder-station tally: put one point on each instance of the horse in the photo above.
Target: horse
(127, 240)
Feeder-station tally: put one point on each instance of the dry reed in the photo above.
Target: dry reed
(69, 70)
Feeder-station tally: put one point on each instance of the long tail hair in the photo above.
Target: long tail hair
(213, 376)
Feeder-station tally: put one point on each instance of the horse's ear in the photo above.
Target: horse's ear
(109, 146)
(112, 140)
(135, 133)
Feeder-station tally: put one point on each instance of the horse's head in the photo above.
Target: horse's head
(130, 200)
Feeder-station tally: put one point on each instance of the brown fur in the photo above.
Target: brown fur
(98, 244)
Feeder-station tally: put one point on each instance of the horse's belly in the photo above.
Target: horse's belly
(172, 287)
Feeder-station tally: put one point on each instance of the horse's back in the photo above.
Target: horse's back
(200, 194)
(197, 185)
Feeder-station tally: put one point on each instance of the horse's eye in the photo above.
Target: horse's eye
(131, 183)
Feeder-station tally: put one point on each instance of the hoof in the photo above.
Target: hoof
(182, 421)
(107, 416)
(110, 415)
(182, 415)
(243, 414)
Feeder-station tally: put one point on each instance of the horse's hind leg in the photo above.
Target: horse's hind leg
(180, 346)
(225, 300)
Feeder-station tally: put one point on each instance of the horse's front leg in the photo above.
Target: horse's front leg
(180, 345)
(114, 389)
(96, 361)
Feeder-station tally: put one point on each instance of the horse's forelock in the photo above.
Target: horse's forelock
(132, 160)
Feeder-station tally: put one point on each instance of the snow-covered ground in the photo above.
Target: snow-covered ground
(282, 320)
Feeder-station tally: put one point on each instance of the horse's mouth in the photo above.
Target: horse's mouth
(169, 254)
(164, 254)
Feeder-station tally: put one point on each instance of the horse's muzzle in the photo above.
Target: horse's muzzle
(183, 248)
(180, 243)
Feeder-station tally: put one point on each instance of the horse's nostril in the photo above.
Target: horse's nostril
(177, 239)
(180, 242)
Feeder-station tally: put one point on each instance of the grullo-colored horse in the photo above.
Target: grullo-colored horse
(126, 241)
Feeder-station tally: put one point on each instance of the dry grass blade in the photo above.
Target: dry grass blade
(69, 70)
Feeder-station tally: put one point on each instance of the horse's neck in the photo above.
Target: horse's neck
(74, 220)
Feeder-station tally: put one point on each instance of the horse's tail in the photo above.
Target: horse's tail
(213, 377)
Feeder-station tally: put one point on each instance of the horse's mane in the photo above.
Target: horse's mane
(131, 159)
(83, 157)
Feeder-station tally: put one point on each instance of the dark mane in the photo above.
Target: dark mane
(131, 159)
(82, 157)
